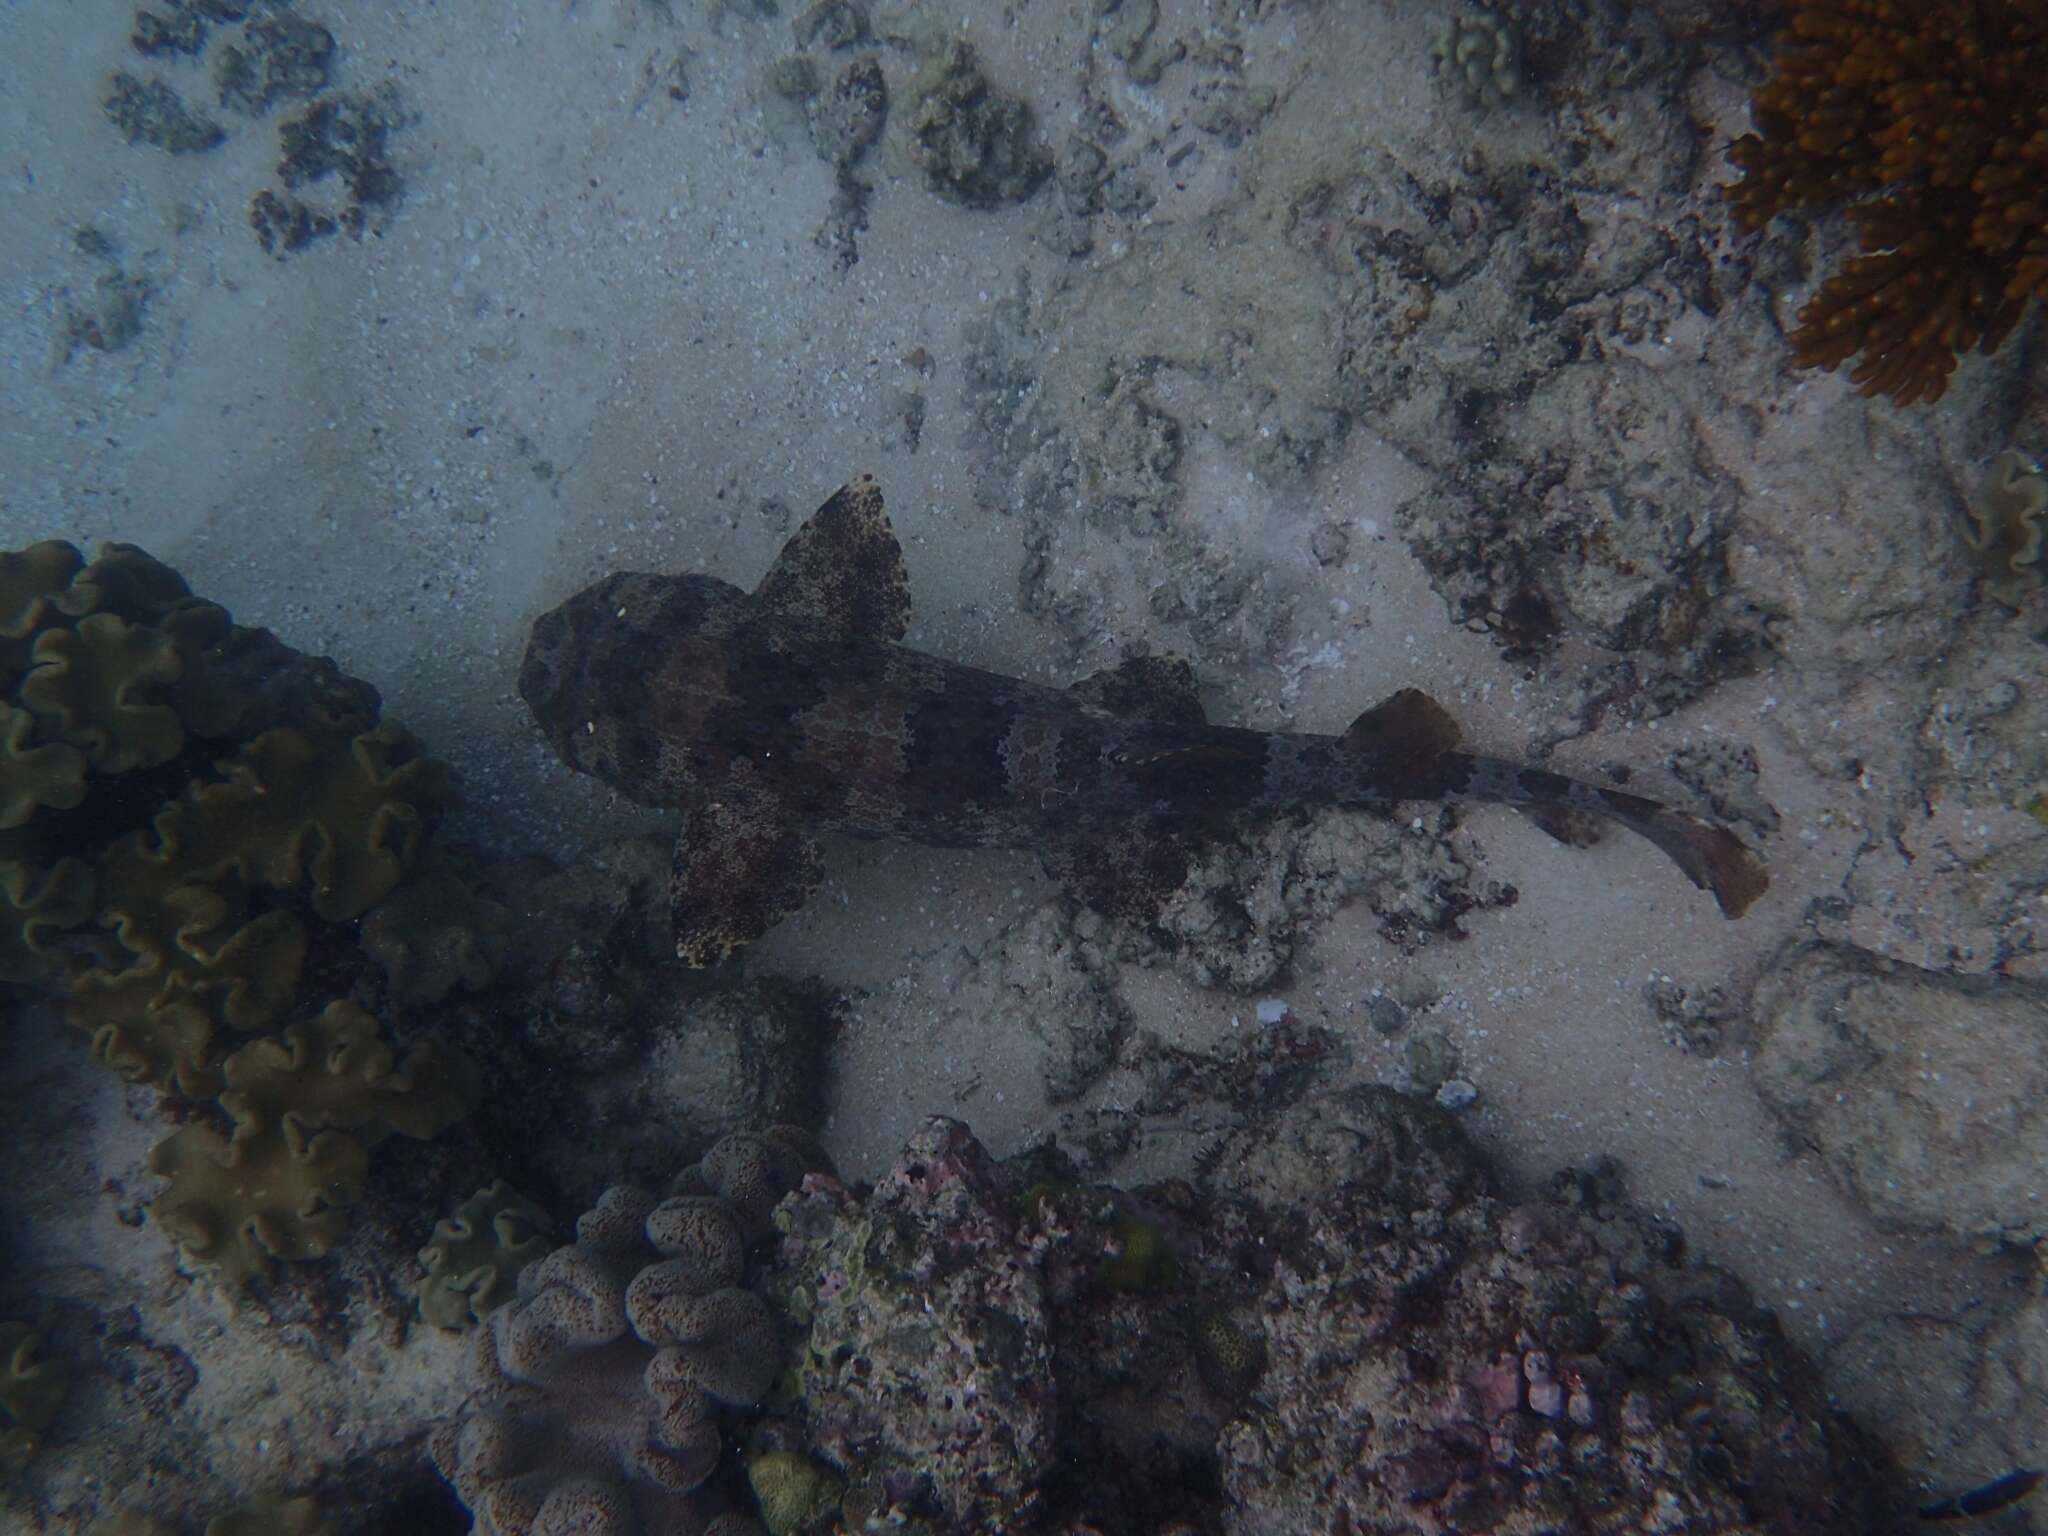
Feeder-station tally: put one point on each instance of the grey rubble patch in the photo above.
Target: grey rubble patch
(971, 144)
(152, 113)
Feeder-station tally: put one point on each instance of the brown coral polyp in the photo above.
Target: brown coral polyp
(1930, 117)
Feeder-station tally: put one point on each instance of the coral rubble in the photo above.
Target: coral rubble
(1929, 119)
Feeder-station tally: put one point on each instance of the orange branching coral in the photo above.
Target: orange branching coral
(1931, 118)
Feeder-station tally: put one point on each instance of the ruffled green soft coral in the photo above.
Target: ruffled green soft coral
(51, 774)
(342, 821)
(475, 1256)
(188, 811)
(35, 905)
(31, 1392)
(89, 686)
(438, 933)
(279, 1188)
(2009, 529)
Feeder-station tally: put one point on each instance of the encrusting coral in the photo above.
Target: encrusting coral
(191, 813)
(593, 1410)
(1930, 118)
(475, 1256)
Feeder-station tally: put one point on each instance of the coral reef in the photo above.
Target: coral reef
(278, 1188)
(192, 818)
(1358, 1335)
(1928, 118)
(475, 1256)
(265, 1516)
(438, 932)
(597, 1387)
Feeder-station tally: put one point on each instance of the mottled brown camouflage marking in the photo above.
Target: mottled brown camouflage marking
(773, 717)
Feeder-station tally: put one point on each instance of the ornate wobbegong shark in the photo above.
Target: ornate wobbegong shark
(773, 717)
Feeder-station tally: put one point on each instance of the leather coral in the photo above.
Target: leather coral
(1930, 119)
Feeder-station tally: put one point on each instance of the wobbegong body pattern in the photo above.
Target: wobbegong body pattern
(771, 717)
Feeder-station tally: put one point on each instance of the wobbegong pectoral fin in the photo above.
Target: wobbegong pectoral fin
(841, 575)
(741, 866)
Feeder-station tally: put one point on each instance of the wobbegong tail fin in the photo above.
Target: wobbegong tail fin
(1407, 747)
(1712, 857)
(1709, 855)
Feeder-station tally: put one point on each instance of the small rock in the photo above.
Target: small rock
(1456, 1094)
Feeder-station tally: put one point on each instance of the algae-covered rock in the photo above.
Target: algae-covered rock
(31, 1391)
(917, 1365)
(475, 1256)
(1362, 1337)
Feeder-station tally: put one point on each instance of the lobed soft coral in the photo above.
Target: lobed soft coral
(2008, 529)
(593, 1413)
(1929, 117)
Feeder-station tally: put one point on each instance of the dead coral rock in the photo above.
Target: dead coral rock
(1340, 1319)
(1655, 1393)
(1926, 1093)
(598, 1385)
(1619, 542)
(1051, 976)
(1237, 918)
(972, 144)
(930, 1350)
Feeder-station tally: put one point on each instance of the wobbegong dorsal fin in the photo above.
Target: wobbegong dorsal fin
(842, 575)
